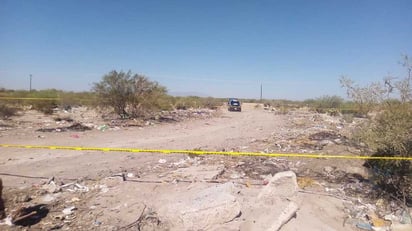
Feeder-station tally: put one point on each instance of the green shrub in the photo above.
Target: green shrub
(389, 133)
(325, 104)
(184, 103)
(71, 99)
(44, 101)
(130, 95)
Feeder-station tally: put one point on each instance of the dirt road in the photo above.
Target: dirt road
(227, 131)
(251, 130)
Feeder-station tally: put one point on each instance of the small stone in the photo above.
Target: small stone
(204, 209)
(69, 210)
(235, 176)
(51, 188)
(328, 169)
(103, 188)
(274, 205)
(48, 198)
(75, 199)
(325, 142)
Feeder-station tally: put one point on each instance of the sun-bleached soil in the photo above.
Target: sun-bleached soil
(110, 190)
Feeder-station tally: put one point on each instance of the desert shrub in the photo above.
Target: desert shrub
(365, 98)
(283, 110)
(71, 99)
(184, 103)
(389, 133)
(325, 104)
(45, 106)
(130, 95)
(211, 103)
(180, 105)
(147, 98)
(166, 102)
(7, 111)
(47, 100)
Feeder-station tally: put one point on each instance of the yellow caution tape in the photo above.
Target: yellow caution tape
(196, 152)
(19, 98)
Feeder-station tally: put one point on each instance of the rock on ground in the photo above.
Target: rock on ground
(275, 205)
(203, 210)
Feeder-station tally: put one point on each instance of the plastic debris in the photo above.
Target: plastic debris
(102, 127)
(69, 210)
(75, 187)
(405, 217)
(364, 226)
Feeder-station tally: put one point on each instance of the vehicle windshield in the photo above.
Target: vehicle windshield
(234, 103)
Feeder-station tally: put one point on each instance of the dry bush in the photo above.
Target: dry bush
(389, 133)
(7, 111)
(184, 103)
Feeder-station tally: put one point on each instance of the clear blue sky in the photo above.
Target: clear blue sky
(222, 48)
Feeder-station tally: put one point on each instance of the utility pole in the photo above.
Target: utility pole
(30, 82)
(261, 92)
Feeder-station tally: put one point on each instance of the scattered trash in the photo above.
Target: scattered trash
(376, 221)
(69, 210)
(51, 187)
(78, 127)
(130, 175)
(75, 127)
(28, 216)
(249, 174)
(364, 226)
(405, 217)
(97, 223)
(75, 187)
(103, 188)
(181, 163)
(74, 199)
(102, 127)
(7, 221)
(48, 198)
(235, 176)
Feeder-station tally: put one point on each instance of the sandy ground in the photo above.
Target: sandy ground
(23, 170)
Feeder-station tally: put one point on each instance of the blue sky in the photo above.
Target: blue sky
(223, 48)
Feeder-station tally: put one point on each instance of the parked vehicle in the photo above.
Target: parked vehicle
(234, 104)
